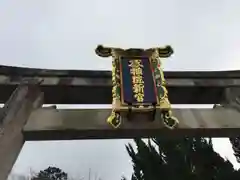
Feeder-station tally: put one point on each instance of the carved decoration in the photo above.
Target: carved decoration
(138, 84)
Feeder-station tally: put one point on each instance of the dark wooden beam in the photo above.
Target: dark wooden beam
(13, 117)
(94, 87)
(56, 124)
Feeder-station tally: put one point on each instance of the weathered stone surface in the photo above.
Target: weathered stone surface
(56, 124)
(77, 86)
(13, 118)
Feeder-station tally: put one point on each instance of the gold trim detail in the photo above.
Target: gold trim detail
(118, 105)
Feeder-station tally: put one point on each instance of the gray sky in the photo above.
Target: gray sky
(63, 34)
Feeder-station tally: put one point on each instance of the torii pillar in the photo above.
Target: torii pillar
(13, 117)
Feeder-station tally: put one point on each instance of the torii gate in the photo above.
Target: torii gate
(23, 118)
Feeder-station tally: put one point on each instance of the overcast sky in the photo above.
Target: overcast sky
(63, 34)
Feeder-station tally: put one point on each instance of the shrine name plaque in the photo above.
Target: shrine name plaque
(138, 86)
(138, 83)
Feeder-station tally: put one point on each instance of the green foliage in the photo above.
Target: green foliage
(235, 141)
(51, 173)
(183, 158)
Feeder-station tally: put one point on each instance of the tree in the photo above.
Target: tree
(51, 173)
(123, 178)
(235, 141)
(183, 158)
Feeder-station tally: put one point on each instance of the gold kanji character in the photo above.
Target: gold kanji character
(135, 63)
(138, 88)
(139, 97)
(137, 80)
(136, 71)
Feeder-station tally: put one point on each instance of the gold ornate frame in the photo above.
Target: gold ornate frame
(153, 55)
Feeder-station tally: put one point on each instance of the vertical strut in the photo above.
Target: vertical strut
(13, 117)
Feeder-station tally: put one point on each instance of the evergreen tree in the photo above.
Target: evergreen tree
(51, 173)
(182, 158)
(235, 141)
